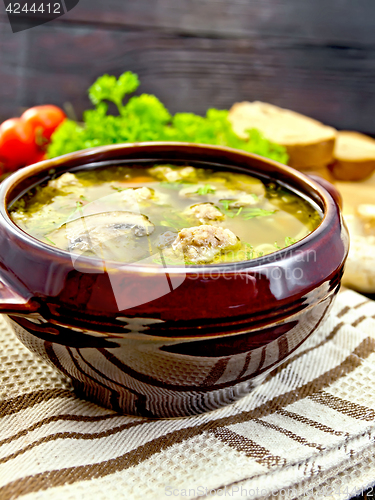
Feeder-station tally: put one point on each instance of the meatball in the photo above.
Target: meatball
(205, 212)
(64, 180)
(137, 194)
(201, 244)
(166, 173)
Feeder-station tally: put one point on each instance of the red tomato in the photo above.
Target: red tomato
(40, 156)
(17, 144)
(44, 120)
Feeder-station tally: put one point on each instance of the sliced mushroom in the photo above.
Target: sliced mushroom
(108, 235)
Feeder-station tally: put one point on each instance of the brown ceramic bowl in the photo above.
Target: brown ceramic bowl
(180, 341)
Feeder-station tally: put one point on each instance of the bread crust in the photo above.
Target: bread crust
(304, 156)
(354, 156)
(309, 143)
(345, 170)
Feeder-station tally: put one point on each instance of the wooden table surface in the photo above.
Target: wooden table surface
(314, 56)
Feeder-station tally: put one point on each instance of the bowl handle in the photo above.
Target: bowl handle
(15, 302)
(328, 187)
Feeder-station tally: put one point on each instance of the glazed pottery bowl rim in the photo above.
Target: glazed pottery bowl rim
(96, 155)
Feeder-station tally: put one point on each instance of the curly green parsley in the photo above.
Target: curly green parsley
(145, 118)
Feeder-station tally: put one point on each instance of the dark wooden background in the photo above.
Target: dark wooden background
(314, 56)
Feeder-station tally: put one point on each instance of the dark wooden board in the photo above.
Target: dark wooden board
(314, 57)
(333, 21)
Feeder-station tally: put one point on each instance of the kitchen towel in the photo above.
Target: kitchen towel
(307, 432)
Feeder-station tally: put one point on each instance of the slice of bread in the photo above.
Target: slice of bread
(309, 143)
(354, 156)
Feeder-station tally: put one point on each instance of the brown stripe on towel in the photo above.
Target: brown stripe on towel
(358, 321)
(311, 423)
(49, 479)
(249, 447)
(343, 311)
(365, 302)
(347, 407)
(70, 475)
(70, 435)
(290, 434)
(24, 401)
(67, 418)
(350, 363)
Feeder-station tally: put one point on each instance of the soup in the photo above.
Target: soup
(166, 214)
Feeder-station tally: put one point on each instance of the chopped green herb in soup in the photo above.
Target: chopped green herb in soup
(164, 215)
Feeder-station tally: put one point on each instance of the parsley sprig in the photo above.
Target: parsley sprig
(288, 241)
(206, 189)
(175, 185)
(250, 213)
(145, 118)
(246, 213)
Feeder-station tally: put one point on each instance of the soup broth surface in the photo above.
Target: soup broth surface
(165, 214)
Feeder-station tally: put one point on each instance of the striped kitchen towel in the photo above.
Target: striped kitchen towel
(307, 432)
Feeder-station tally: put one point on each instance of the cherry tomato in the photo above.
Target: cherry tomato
(44, 120)
(17, 144)
(41, 156)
